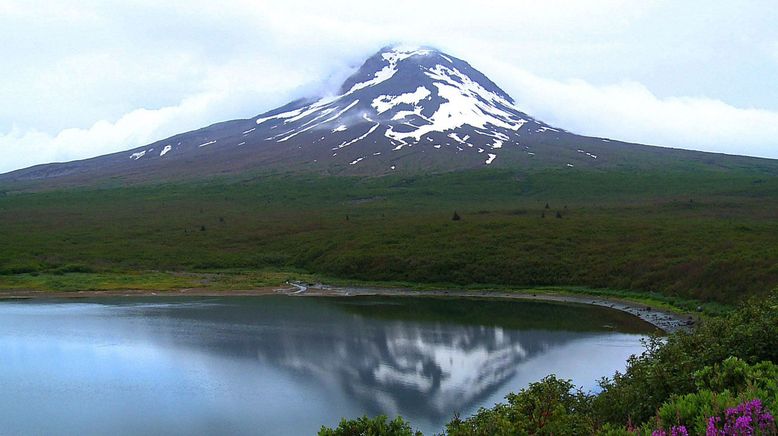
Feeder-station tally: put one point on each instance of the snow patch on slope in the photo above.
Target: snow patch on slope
(347, 143)
(385, 102)
(298, 131)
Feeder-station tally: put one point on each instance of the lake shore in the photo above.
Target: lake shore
(664, 320)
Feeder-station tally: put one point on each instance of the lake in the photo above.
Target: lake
(286, 365)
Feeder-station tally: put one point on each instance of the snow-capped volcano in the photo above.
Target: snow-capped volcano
(405, 110)
(407, 98)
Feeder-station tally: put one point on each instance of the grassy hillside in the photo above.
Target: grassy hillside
(699, 233)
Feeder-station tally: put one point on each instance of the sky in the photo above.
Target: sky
(81, 78)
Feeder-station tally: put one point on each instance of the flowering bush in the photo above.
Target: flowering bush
(667, 367)
(748, 418)
(721, 387)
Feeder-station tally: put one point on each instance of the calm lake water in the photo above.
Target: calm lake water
(283, 365)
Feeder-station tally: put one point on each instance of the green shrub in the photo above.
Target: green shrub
(736, 375)
(666, 368)
(551, 406)
(366, 426)
(722, 386)
(66, 269)
(620, 430)
(21, 268)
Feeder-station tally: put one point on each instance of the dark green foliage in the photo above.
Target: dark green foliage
(735, 375)
(622, 230)
(67, 269)
(552, 406)
(546, 407)
(365, 426)
(667, 369)
(20, 268)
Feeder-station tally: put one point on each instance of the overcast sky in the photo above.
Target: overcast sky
(82, 78)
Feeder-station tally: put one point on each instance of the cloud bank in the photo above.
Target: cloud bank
(630, 112)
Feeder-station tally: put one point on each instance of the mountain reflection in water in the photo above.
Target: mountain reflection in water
(421, 358)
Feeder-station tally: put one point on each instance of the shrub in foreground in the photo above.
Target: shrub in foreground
(366, 426)
(667, 367)
(551, 406)
(721, 387)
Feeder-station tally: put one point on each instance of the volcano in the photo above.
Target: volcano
(404, 110)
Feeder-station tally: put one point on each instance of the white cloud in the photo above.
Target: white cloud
(20, 149)
(629, 111)
(234, 90)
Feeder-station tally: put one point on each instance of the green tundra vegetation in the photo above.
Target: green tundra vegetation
(689, 383)
(683, 233)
